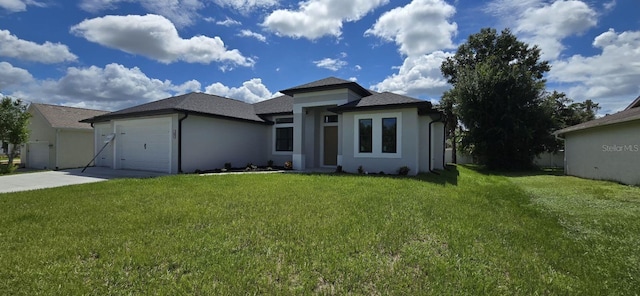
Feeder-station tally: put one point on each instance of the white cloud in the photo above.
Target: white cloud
(251, 91)
(418, 28)
(19, 5)
(249, 33)
(180, 12)
(245, 6)
(11, 76)
(418, 76)
(110, 88)
(354, 79)
(609, 78)
(544, 24)
(115, 87)
(357, 67)
(156, 37)
(187, 87)
(228, 22)
(318, 18)
(48, 53)
(13, 5)
(609, 6)
(330, 64)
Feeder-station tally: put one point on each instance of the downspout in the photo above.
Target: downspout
(431, 152)
(444, 144)
(56, 150)
(186, 114)
(564, 160)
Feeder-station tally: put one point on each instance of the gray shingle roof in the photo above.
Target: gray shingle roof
(200, 103)
(382, 100)
(328, 83)
(278, 105)
(634, 104)
(620, 117)
(66, 117)
(212, 105)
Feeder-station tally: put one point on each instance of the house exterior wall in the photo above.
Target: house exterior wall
(41, 134)
(605, 153)
(327, 97)
(278, 157)
(431, 141)
(312, 139)
(67, 148)
(74, 148)
(209, 143)
(412, 143)
(437, 146)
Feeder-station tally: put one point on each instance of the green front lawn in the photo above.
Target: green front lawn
(463, 232)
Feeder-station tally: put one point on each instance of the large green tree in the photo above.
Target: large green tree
(565, 112)
(14, 119)
(498, 96)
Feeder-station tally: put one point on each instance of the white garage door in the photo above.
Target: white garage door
(38, 155)
(104, 159)
(144, 145)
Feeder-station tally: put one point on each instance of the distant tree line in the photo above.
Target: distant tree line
(14, 120)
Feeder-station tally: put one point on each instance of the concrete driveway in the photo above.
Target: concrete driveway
(49, 179)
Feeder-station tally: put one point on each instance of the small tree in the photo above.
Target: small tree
(14, 119)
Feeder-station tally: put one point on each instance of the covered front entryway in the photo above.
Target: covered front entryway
(144, 145)
(317, 132)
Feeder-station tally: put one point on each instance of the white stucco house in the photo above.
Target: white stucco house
(607, 148)
(57, 140)
(322, 124)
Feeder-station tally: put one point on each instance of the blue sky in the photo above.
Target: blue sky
(112, 54)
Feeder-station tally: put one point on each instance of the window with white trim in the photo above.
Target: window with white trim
(283, 135)
(378, 135)
(389, 135)
(365, 133)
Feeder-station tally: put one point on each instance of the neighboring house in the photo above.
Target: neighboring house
(607, 148)
(57, 140)
(323, 124)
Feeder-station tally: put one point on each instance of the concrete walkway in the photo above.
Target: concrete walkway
(49, 179)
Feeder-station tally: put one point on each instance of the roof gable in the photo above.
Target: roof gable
(329, 83)
(384, 100)
(65, 117)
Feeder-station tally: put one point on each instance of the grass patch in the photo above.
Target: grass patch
(460, 232)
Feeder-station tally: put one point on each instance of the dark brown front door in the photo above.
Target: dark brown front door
(330, 145)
